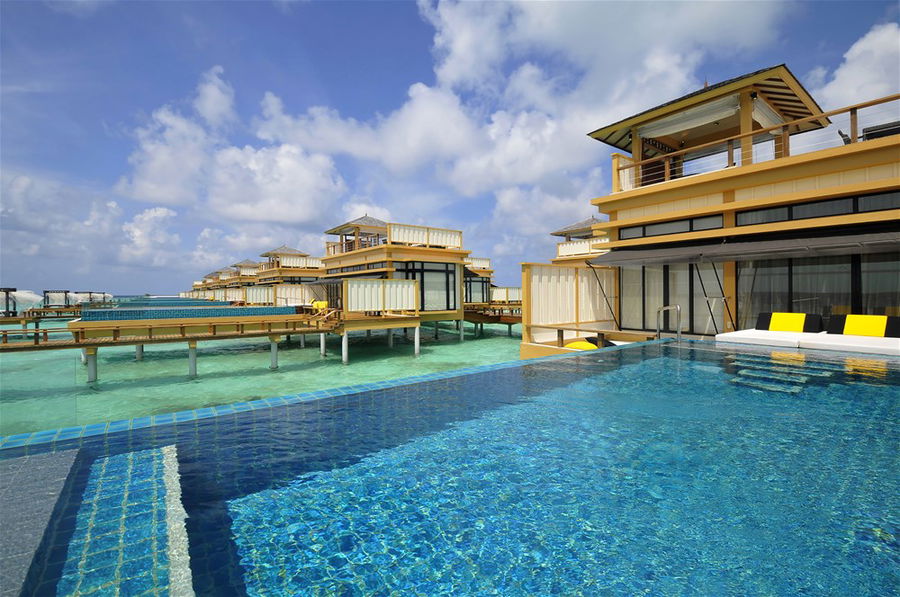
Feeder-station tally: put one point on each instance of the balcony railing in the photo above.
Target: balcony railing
(584, 246)
(400, 234)
(479, 262)
(292, 261)
(875, 119)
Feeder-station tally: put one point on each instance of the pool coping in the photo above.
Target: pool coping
(49, 436)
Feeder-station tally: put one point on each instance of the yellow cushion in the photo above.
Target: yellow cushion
(865, 325)
(787, 322)
(320, 305)
(581, 345)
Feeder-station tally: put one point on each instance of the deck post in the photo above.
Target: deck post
(192, 358)
(345, 347)
(368, 334)
(273, 349)
(91, 365)
(84, 356)
(390, 335)
(322, 344)
(287, 338)
(509, 330)
(436, 330)
(416, 340)
(138, 352)
(302, 340)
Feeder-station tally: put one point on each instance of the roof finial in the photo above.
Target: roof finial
(705, 83)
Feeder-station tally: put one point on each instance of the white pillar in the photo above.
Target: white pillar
(273, 349)
(84, 356)
(302, 340)
(462, 329)
(91, 365)
(390, 334)
(416, 340)
(345, 348)
(322, 344)
(192, 359)
(139, 352)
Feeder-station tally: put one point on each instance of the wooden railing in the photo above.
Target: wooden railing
(666, 167)
(584, 246)
(130, 332)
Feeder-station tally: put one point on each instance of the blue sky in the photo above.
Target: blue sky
(144, 144)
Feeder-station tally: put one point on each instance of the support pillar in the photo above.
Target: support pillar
(368, 334)
(416, 340)
(436, 330)
(509, 330)
(287, 338)
(91, 365)
(273, 350)
(302, 340)
(458, 324)
(461, 326)
(139, 352)
(84, 356)
(322, 344)
(192, 359)
(405, 333)
(345, 347)
(390, 334)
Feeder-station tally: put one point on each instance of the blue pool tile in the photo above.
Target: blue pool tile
(119, 426)
(141, 422)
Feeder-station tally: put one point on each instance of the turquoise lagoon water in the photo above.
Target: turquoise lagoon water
(48, 389)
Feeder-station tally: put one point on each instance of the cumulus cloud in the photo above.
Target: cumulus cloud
(273, 184)
(149, 242)
(870, 69)
(214, 101)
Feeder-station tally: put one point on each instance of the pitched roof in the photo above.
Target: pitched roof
(582, 226)
(245, 263)
(365, 221)
(777, 84)
(283, 250)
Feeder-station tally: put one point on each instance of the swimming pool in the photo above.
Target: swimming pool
(652, 469)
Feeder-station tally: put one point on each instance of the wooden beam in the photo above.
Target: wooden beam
(746, 117)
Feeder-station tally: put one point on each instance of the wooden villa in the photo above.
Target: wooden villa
(740, 198)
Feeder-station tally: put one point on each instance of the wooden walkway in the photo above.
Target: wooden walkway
(160, 332)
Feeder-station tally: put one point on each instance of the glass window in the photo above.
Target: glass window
(435, 288)
(822, 208)
(762, 216)
(631, 300)
(632, 232)
(679, 294)
(705, 278)
(667, 228)
(653, 294)
(762, 288)
(881, 284)
(880, 201)
(821, 285)
(706, 223)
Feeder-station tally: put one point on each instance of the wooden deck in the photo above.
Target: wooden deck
(508, 313)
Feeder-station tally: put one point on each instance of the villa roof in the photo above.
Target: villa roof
(245, 263)
(582, 226)
(283, 250)
(364, 222)
(777, 85)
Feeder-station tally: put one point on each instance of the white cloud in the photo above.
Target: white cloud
(871, 69)
(215, 99)
(363, 207)
(149, 242)
(170, 162)
(273, 184)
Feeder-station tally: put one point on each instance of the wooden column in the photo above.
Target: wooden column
(729, 284)
(636, 155)
(746, 117)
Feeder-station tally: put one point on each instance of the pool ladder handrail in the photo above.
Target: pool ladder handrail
(660, 311)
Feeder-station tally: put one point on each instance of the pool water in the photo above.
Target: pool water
(48, 389)
(651, 469)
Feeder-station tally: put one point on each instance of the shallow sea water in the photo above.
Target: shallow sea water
(646, 470)
(48, 389)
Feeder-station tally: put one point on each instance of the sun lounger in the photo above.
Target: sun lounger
(777, 329)
(875, 334)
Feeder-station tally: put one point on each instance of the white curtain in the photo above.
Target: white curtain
(691, 118)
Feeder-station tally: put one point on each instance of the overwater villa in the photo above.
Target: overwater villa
(580, 242)
(740, 199)
(286, 265)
